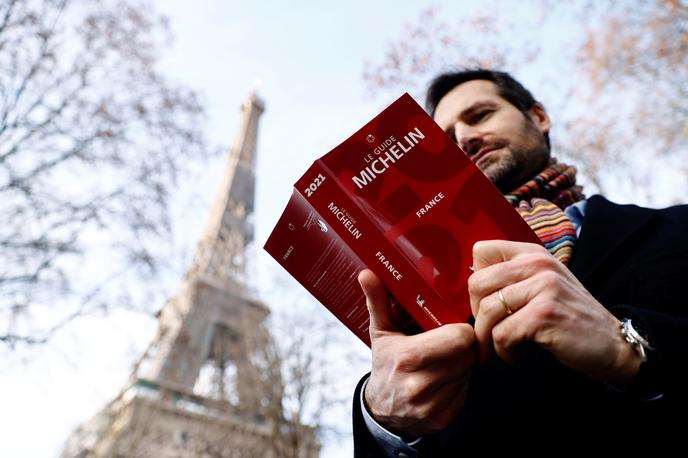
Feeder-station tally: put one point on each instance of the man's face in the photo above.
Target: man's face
(506, 144)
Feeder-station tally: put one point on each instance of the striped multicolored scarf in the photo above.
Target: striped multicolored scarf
(541, 202)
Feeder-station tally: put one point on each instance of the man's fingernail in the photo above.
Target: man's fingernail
(471, 268)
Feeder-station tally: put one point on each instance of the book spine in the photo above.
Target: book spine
(322, 191)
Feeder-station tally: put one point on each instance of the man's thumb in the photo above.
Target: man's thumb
(378, 302)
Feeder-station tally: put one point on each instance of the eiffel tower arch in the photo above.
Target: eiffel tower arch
(208, 384)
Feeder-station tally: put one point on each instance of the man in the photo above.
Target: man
(581, 342)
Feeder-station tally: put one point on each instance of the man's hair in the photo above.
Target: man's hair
(509, 89)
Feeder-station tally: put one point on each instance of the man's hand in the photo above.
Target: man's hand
(418, 383)
(548, 306)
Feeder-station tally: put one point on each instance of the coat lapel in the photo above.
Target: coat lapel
(607, 227)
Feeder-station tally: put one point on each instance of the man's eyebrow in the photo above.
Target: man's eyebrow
(476, 106)
(468, 111)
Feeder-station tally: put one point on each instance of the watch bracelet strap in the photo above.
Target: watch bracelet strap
(646, 384)
(637, 340)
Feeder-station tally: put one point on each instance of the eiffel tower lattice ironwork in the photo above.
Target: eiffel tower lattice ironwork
(201, 389)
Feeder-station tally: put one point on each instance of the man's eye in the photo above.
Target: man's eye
(482, 114)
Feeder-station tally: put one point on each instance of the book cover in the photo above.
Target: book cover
(400, 198)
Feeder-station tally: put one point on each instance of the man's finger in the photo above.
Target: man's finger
(509, 333)
(444, 344)
(488, 252)
(494, 310)
(492, 278)
(378, 302)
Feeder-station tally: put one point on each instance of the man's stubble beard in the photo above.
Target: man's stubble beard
(522, 162)
(511, 171)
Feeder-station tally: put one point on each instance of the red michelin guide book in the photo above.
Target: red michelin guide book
(400, 198)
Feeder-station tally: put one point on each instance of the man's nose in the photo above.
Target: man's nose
(468, 139)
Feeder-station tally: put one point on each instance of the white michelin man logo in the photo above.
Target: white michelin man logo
(420, 301)
(322, 226)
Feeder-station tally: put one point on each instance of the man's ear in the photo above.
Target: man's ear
(539, 116)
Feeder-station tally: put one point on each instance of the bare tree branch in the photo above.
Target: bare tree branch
(616, 87)
(92, 140)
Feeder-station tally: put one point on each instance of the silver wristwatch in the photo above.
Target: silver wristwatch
(633, 337)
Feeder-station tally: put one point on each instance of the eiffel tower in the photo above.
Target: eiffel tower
(206, 386)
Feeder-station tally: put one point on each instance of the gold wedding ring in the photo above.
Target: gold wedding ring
(503, 301)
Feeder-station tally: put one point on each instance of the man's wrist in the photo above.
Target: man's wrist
(628, 365)
(366, 405)
(381, 432)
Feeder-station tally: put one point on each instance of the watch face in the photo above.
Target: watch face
(639, 327)
(631, 333)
